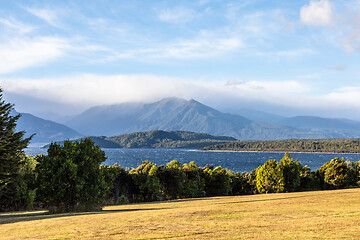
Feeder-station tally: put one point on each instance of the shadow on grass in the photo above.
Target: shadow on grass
(41, 215)
(315, 193)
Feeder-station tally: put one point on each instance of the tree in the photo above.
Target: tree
(339, 173)
(146, 181)
(12, 144)
(217, 181)
(270, 177)
(69, 177)
(291, 171)
(173, 178)
(194, 184)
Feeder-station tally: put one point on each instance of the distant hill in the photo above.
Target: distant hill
(344, 145)
(311, 122)
(160, 139)
(45, 130)
(173, 114)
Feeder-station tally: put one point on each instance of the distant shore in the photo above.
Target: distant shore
(277, 151)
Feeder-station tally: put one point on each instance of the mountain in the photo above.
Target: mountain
(159, 139)
(257, 116)
(45, 130)
(330, 127)
(172, 114)
(311, 122)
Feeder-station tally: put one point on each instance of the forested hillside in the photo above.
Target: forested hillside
(342, 145)
(160, 139)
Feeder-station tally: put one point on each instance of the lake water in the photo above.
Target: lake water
(236, 161)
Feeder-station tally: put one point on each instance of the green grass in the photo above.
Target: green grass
(306, 215)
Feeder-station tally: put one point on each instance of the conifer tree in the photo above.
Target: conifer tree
(12, 144)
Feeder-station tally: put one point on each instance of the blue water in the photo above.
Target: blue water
(236, 161)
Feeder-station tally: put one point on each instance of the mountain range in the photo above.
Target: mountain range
(45, 131)
(175, 114)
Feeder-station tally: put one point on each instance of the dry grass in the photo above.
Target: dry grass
(308, 215)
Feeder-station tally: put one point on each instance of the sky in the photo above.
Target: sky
(291, 58)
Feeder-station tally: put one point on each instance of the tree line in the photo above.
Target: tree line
(340, 145)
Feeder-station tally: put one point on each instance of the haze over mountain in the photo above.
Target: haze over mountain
(45, 130)
(179, 114)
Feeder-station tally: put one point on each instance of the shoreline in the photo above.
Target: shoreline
(276, 151)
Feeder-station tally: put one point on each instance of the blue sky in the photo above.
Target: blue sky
(287, 57)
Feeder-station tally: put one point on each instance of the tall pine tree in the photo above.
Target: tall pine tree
(12, 144)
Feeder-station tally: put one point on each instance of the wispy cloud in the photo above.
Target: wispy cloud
(22, 53)
(177, 14)
(18, 26)
(339, 68)
(351, 39)
(89, 89)
(207, 45)
(292, 53)
(47, 15)
(317, 13)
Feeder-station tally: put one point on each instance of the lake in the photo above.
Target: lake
(235, 161)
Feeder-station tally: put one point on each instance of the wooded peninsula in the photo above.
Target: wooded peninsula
(339, 145)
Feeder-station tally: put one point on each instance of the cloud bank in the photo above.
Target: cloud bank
(87, 90)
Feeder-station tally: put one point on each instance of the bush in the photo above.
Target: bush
(69, 177)
(194, 184)
(217, 181)
(146, 182)
(172, 178)
(291, 171)
(270, 178)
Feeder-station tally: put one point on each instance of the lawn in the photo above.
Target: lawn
(306, 215)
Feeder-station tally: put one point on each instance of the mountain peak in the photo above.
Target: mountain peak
(173, 99)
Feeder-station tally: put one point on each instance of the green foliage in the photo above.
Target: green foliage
(118, 183)
(194, 184)
(69, 177)
(167, 139)
(217, 181)
(337, 173)
(240, 184)
(173, 178)
(26, 182)
(270, 178)
(11, 150)
(146, 181)
(343, 145)
(291, 171)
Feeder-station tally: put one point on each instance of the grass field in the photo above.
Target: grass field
(306, 215)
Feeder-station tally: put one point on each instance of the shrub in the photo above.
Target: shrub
(270, 178)
(69, 177)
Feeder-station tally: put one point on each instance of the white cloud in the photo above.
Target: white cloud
(88, 90)
(317, 13)
(199, 48)
(206, 45)
(339, 68)
(351, 40)
(92, 90)
(16, 25)
(177, 15)
(288, 53)
(22, 53)
(47, 15)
